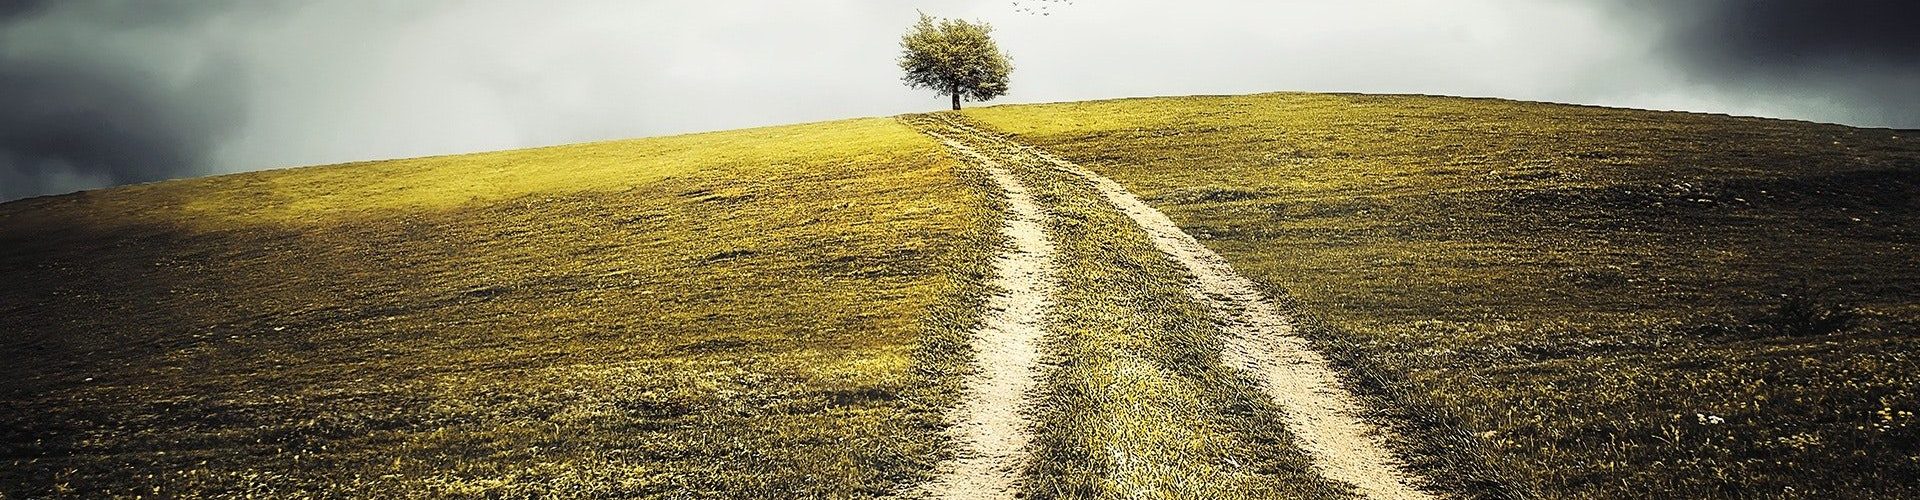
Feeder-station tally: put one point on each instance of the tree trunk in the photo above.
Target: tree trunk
(956, 101)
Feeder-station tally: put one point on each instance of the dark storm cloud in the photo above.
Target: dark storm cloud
(1780, 35)
(14, 8)
(1857, 56)
(83, 114)
(69, 128)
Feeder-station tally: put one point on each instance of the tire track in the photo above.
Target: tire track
(1260, 340)
(991, 426)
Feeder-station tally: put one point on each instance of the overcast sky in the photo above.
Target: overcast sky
(104, 92)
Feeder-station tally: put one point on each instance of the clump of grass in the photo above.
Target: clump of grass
(1514, 268)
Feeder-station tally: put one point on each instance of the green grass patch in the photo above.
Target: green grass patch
(1568, 301)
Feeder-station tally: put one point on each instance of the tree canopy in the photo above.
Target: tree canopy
(954, 58)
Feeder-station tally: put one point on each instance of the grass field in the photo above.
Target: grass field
(1543, 300)
(1583, 302)
(754, 313)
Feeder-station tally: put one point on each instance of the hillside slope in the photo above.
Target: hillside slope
(1586, 301)
(748, 313)
(1530, 300)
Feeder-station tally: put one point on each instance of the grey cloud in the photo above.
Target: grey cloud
(67, 125)
(103, 92)
(80, 114)
(1854, 61)
(15, 8)
(1781, 34)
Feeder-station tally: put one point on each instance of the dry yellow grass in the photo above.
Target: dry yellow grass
(1563, 301)
(1554, 301)
(759, 312)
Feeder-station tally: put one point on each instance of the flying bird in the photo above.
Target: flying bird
(1040, 7)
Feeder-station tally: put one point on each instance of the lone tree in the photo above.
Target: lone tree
(955, 58)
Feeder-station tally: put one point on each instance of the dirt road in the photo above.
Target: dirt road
(1259, 339)
(991, 427)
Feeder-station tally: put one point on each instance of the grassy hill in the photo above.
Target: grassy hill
(757, 312)
(1571, 302)
(1592, 302)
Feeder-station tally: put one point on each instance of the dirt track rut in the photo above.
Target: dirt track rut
(1259, 338)
(992, 427)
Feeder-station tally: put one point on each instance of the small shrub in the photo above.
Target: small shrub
(1800, 314)
(1797, 313)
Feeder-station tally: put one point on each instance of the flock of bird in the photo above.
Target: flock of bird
(1039, 6)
